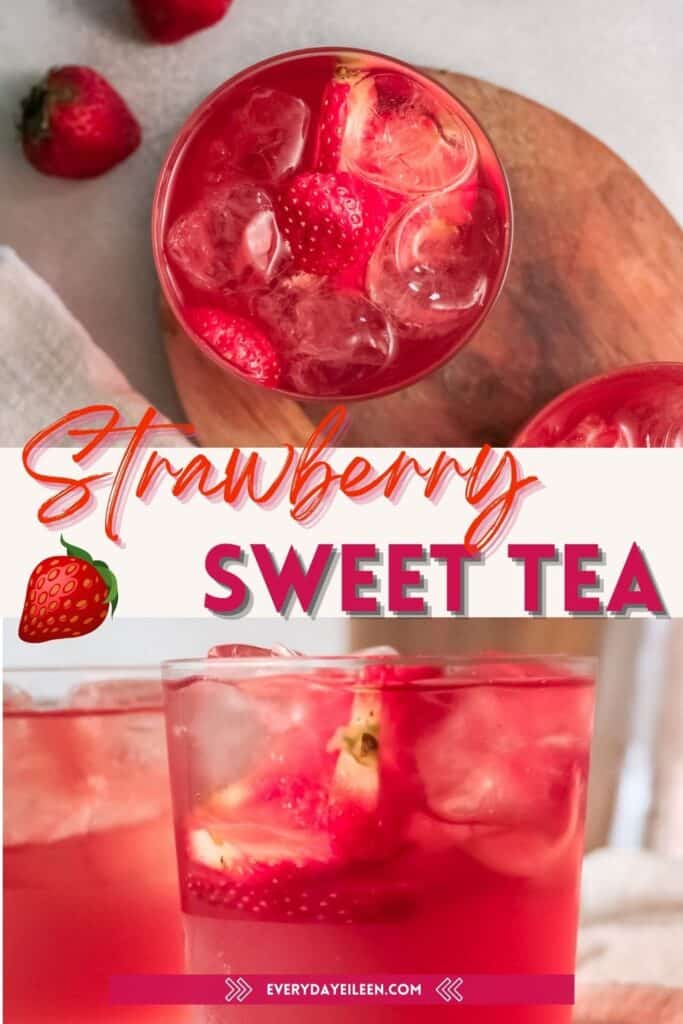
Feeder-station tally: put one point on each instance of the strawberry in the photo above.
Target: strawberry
(331, 124)
(239, 341)
(67, 596)
(375, 778)
(365, 802)
(167, 21)
(292, 798)
(282, 876)
(75, 125)
(330, 220)
(303, 801)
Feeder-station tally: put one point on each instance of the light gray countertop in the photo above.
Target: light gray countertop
(614, 67)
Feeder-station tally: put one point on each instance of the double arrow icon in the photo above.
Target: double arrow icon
(449, 989)
(238, 989)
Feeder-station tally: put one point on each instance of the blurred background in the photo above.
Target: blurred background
(636, 790)
(612, 67)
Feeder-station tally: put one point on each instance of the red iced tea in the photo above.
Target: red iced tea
(331, 223)
(351, 816)
(637, 407)
(90, 882)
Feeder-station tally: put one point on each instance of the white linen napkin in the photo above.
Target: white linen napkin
(49, 364)
(631, 919)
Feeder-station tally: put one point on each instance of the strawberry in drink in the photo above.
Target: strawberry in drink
(377, 816)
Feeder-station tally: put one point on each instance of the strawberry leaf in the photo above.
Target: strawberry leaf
(111, 583)
(75, 552)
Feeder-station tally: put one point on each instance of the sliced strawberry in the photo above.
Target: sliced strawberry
(368, 789)
(294, 799)
(283, 876)
(301, 799)
(331, 220)
(239, 341)
(331, 125)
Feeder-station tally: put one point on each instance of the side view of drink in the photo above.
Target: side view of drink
(90, 884)
(331, 223)
(379, 814)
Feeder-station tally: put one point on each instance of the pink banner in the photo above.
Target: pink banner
(272, 989)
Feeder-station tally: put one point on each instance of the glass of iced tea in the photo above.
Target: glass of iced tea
(331, 223)
(365, 815)
(640, 406)
(90, 880)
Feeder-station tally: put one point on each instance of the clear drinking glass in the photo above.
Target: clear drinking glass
(380, 815)
(638, 406)
(90, 881)
(331, 223)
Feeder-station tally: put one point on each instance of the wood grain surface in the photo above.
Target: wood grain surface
(594, 284)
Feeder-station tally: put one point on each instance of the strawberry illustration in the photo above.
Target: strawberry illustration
(167, 21)
(239, 341)
(331, 220)
(75, 125)
(67, 596)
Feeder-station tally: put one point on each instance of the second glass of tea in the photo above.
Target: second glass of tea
(90, 881)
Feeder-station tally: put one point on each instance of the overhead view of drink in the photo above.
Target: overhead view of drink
(380, 815)
(90, 884)
(331, 223)
(637, 407)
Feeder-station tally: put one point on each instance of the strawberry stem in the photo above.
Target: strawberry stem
(34, 121)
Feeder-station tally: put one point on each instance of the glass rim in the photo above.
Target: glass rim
(163, 187)
(86, 667)
(599, 379)
(578, 668)
(62, 702)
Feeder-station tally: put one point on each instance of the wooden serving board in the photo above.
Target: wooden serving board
(594, 284)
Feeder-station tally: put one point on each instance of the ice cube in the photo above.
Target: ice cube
(231, 239)
(118, 694)
(74, 771)
(265, 135)
(500, 756)
(627, 428)
(405, 137)
(217, 732)
(434, 266)
(332, 341)
(503, 768)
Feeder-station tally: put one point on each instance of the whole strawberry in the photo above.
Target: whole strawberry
(239, 341)
(331, 220)
(67, 596)
(167, 21)
(75, 125)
